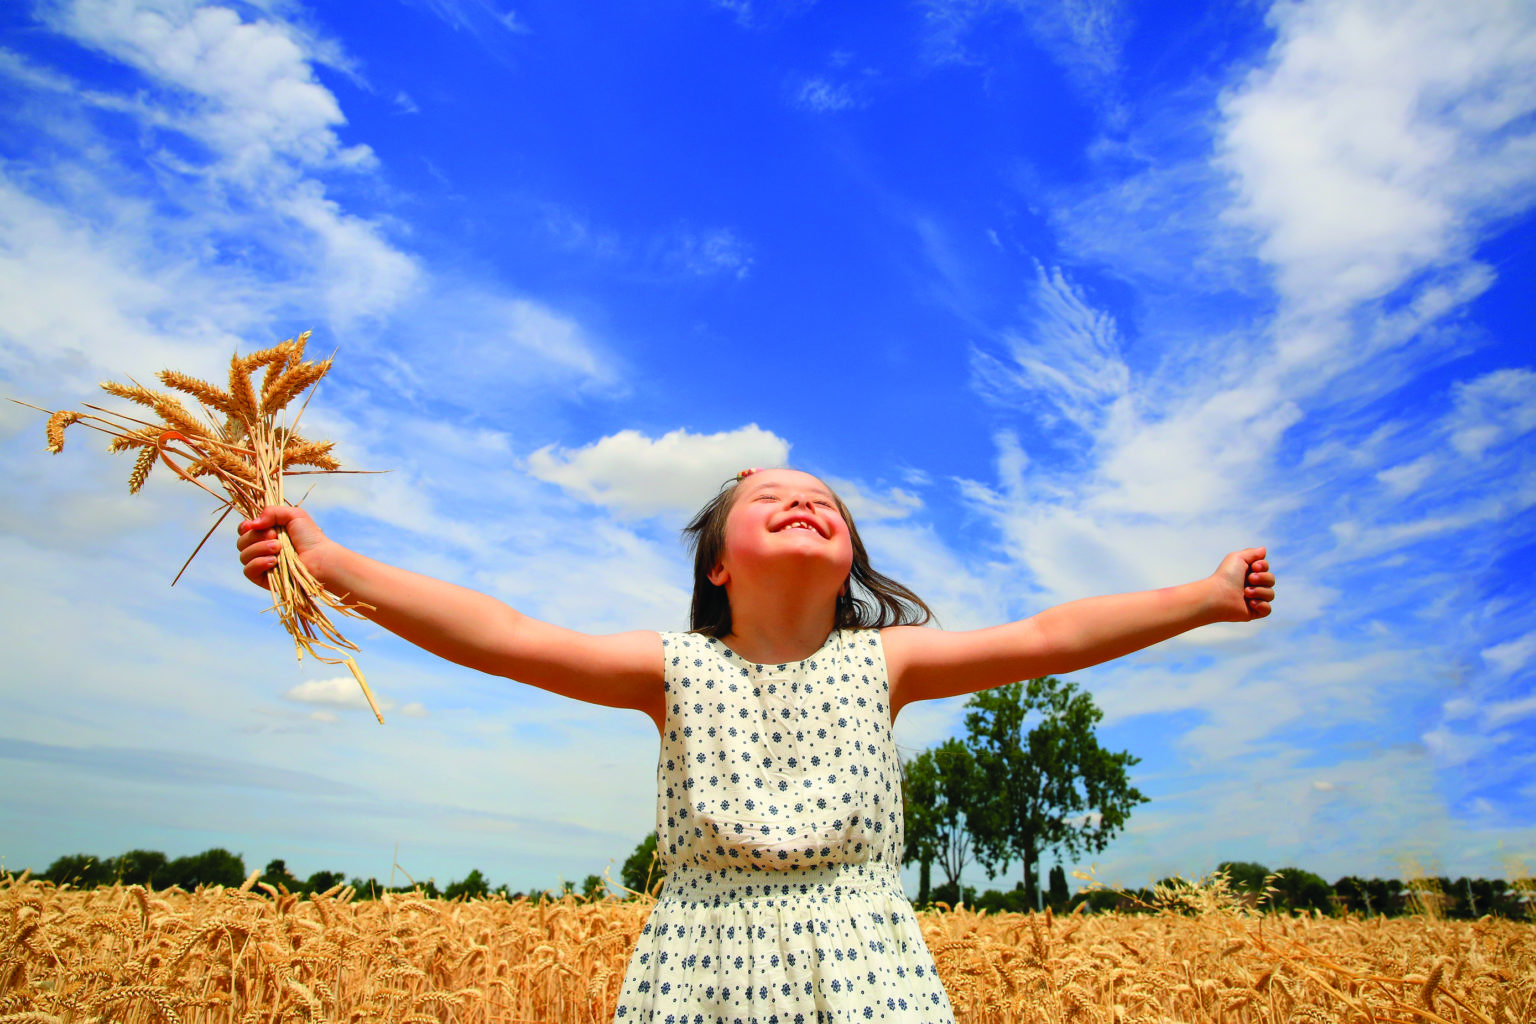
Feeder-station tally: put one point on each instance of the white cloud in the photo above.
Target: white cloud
(335, 692)
(1511, 656)
(1453, 748)
(1065, 361)
(1084, 37)
(235, 136)
(868, 504)
(635, 475)
(256, 98)
(1503, 712)
(1407, 477)
(823, 95)
(1377, 138)
(366, 276)
(712, 252)
(1491, 410)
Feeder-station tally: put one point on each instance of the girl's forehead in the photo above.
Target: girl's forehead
(767, 479)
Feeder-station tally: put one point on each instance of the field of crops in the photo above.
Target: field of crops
(124, 954)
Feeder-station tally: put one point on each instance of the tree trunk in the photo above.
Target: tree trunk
(1031, 883)
(923, 878)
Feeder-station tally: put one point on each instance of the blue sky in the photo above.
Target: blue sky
(1065, 298)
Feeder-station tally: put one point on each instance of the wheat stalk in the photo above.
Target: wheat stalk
(248, 456)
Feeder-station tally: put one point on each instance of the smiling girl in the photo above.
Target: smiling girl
(779, 814)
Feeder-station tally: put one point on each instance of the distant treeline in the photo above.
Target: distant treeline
(152, 869)
(1288, 889)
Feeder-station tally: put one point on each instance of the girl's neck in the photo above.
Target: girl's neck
(776, 632)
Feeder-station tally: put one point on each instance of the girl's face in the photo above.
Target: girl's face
(780, 518)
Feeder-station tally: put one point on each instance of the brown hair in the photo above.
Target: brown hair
(872, 599)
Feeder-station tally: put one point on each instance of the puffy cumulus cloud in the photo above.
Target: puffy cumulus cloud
(1377, 137)
(342, 692)
(337, 692)
(634, 475)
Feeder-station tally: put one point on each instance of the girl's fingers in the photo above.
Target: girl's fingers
(256, 570)
(248, 540)
(1253, 594)
(261, 549)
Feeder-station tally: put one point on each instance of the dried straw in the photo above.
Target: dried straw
(246, 440)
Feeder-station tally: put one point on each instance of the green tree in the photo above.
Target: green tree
(641, 870)
(1046, 785)
(276, 874)
(141, 867)
(211, 867)
(920, 819)
(367, 888)
(1059, 896)
(1296, 889)
(472, 886)
(323, 881)
(593, 887)
(1245, 875)
(80, 870)
(939, 789)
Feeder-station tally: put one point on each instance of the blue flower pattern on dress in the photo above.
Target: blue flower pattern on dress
(779, 821)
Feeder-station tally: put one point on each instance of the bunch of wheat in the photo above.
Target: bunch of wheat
(246, 440)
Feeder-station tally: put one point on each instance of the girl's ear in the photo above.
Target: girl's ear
(718, 575)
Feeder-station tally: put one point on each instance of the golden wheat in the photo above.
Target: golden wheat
(248, 454)
(263, 954)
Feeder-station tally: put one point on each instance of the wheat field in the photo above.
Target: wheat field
(244, 955)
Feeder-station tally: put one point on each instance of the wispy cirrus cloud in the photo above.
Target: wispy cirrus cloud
(1085, 38)
(492, 25)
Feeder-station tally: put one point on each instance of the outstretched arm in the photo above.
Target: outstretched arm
(927, 663)
(464, 626)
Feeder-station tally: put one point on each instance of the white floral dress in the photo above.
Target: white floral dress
(779, 820)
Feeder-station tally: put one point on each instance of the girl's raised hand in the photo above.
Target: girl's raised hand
(258, 543)
(1244, 585)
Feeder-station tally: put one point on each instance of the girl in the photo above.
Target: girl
(779, 806)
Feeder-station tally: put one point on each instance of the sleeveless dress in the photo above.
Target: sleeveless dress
(779, 820)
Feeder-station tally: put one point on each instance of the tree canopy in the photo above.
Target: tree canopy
(1049, 785)
(939, 788)
(1029, 777)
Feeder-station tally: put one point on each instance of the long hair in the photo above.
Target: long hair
(871, 600)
